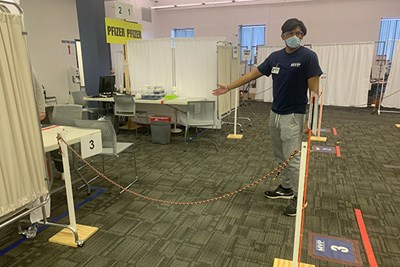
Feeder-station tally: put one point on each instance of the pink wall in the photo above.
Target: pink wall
(327, 21)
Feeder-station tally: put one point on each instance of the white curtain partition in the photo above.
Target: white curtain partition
(196, 66)
(392, 92)
(264, 83)
(118, 59)
(22, 168)
(348, 68)
(150, 63)
(228, 70)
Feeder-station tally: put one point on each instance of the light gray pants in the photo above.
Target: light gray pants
(286, 132)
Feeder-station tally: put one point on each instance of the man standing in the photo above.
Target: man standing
(39, 96)
(294, 69)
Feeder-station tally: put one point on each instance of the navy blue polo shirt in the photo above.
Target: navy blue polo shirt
(290, 83)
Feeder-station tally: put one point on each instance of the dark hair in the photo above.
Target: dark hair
(291, 24)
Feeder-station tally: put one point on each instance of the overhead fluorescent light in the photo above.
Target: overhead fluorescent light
(232, 2)
(188, 5)
(242, 1)
(162, 7)
(218, 3)
(177, 5)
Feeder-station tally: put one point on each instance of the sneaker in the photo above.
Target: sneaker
(292, 208)
(279, 192)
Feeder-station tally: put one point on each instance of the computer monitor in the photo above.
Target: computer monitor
(106, 85)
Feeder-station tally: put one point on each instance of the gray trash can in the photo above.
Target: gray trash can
(160, 132)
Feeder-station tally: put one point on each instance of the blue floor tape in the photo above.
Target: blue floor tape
(98, 192)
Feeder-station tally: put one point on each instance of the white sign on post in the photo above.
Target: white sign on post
(91, 145)
(235, 51)
(123, 11)
(246, 54)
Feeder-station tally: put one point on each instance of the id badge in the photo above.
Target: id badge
(275, 70)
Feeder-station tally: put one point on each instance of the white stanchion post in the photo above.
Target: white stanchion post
(236, 103)
(315, 113)
(176, 130)
(74, 234)
(68, 183)
(299, 213)
(235, 135)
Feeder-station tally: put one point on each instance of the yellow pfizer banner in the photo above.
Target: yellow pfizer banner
(118, 31)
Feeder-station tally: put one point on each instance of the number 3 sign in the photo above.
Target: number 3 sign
(91, 145)
(335, 249)
(340, 248)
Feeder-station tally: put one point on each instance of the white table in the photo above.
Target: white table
(180, 101)
(74, 135)
(155, 106)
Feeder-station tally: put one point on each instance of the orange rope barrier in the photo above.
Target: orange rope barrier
(274, 171)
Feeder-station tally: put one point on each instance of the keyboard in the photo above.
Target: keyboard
(99, 96)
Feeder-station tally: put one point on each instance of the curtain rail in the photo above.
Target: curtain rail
(4, 3)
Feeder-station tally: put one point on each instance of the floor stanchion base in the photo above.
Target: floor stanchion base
(288, 263)
(176, 130)
(66, 237)
(319, 139)
(235, 136)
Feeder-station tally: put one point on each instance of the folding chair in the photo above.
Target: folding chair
(89, 113)
(109, 141)
(200, 114)
(65, 114)
(125, 106)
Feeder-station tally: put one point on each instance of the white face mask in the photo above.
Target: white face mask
(293, 42)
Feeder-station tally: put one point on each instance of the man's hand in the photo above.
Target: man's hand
(313, 84)
(221, 89)
(42, 115)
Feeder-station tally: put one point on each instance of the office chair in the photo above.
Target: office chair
(109, 141)
(89, 113)
(200, 114)
(242, 102)
(49, 100)
(244, 95)
(65, 114)
(125, 106)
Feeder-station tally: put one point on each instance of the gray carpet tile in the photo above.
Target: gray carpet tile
(242, 230)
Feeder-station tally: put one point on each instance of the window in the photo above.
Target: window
(250, 37)
(188, 32)
(390, 31)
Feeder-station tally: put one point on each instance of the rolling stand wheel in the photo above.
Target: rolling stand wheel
(80, 243)
(29, 232)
